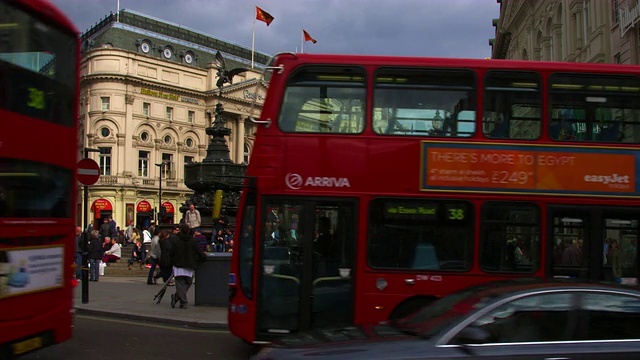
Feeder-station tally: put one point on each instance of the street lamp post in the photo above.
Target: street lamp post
(85, 238)
(160, 166)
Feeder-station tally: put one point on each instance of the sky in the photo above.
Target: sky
(438, 28)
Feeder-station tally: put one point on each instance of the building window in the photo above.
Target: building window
(167, 139)
(146, 108)
(616, 11)
(144, 136)
(168, 168)
(143, 163)
(169, 115)
(187, 160)
(246, 154)
(105, 161)
(587, 20)
(191, 116)
(105, 132)
(189, 142)
(105, 103)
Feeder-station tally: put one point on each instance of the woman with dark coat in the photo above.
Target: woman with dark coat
(185, 254)
(96, 253)
(165, 239)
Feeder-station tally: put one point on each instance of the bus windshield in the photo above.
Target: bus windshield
(30, 189)
(37, 62)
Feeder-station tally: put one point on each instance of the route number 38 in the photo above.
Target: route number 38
(36, 98)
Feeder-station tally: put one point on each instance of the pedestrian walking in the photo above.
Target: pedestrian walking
(79, 250)
(185, 254)
(96, 253)
(154, 256)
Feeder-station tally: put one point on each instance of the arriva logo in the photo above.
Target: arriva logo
(295, 181)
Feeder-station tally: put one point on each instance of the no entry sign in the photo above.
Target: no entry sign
(88, 172)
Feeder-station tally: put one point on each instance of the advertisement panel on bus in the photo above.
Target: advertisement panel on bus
(529, 169)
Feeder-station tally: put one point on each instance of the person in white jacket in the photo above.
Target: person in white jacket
(114, 254)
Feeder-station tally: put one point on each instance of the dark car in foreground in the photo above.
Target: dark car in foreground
(520, 319)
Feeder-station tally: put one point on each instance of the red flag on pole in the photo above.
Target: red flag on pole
(308, 37)
(263, 16)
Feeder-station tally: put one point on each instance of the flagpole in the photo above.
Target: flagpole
(118, 12)
(302, 43)
(253, 41)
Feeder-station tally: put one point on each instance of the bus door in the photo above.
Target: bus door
(593, 243)
(307, 264)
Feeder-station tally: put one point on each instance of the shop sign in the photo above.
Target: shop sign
(143, 206)
(252, 96)
(190, 100)
(159, 94)
(169, 207)
(99, 205)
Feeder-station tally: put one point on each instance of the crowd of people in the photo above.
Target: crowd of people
(169, 253)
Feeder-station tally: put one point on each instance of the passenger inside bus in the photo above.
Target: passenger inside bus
(612, 132)
(501, 127)
(323, 244)
(561, 129)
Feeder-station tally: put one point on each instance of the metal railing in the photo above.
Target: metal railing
(108, 180)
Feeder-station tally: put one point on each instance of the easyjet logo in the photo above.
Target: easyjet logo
(607, 179)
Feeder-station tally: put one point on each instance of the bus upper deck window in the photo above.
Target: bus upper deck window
(594, 107)
(324, 99)
(512, 102)
(424, 102)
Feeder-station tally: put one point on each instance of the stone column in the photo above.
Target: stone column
(556, 32)
(545, 43)
(240, 140)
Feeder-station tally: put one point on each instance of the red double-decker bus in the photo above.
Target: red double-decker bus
(38, 154)
(378, 184)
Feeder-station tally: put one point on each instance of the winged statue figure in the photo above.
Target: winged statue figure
(224, 75)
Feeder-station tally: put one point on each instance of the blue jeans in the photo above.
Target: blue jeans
(94, 269)
(154, 262)
(78, 265)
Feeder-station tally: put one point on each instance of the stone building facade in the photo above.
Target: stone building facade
(148, 92)
(595, 31)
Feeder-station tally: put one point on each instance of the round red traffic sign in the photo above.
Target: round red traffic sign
(88, 171)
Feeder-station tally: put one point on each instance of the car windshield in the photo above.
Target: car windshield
(443, 312)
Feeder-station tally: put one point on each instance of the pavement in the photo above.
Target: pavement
(132, 298)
